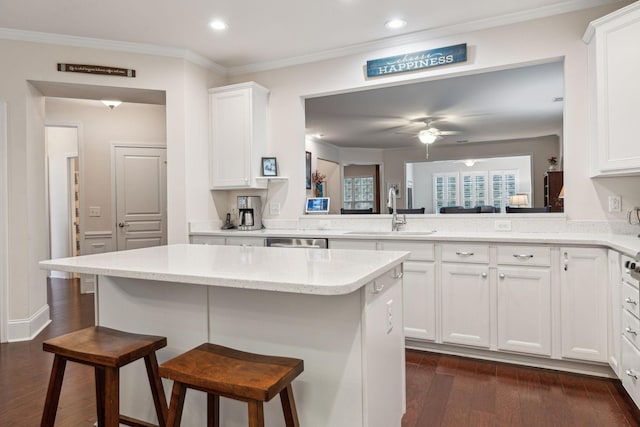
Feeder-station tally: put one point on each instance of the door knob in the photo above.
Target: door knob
(121, 224)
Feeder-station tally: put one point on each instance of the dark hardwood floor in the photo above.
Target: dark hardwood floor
(441, 390)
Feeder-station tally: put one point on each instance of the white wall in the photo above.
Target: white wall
(531, 42)
(185, 86)
(128, 123)
(62, 144)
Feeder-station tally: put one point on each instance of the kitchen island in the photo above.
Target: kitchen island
(338, 310)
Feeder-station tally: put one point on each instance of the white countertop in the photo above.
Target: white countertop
(308, 271)
(627, 244)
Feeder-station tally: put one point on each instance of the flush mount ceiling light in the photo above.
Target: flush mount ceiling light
(469, 162)
(395, 24)
(218, 25)
(111, 103)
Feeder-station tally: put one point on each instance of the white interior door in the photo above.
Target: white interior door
(140, 196)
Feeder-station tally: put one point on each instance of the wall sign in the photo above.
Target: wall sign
(417, 60)
(96, 69)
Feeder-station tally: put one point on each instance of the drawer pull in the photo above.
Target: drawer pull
(398, 275)
(632, 374)
(630, 301)
(502, 275)
(464, 253)
(523, 256)
(630, 331)
(377, 289)
(484, 275)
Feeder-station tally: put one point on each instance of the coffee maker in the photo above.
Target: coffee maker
(250, 212)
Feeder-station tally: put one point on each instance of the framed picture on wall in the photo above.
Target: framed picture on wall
(269, 166)
(308, 169)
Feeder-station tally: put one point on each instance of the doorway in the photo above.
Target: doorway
(4, 226)
(63, 205)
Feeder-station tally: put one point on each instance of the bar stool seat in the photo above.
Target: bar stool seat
(106, 350)
(222, 371)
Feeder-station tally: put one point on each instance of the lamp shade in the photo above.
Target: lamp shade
(561, 195)
(519, 200)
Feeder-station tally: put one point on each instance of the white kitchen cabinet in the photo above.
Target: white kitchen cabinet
(615, 306)
(614, 67)
(524, 310)
(244, 241)
(207, 240)
(524, 299)
(353, 244)
(466, 304)
(583, 287)
(230, 241)
(238, 135)
(419, 313)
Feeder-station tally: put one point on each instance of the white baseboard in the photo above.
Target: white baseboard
(28, 329)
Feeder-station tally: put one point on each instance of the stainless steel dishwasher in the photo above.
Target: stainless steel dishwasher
(294, 242)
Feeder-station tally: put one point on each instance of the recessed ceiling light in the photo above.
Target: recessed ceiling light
(394, 24)
(218, 25)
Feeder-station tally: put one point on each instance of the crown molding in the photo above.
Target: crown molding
(406, 39)
(105, 44)
(421, 36)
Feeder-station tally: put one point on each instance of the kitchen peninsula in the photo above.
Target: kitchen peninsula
(339, 310)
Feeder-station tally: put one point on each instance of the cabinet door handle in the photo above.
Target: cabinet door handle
(630, 301)
(523, 256)
(484, 275)
(566, 261)
(632, 374)
(630, 331)
(377, 288)
(502, 275)
(464, 253)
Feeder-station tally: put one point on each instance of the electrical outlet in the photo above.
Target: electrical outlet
(502, 225)
(94, 211)
(615, 204)
(389, 316)
(274, 208)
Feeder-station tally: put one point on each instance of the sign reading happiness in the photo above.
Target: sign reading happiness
(417, 60)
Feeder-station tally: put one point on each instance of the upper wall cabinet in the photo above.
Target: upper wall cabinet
(614, 67)
(238, 135)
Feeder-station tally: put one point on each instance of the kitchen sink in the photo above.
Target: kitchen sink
(391, 233)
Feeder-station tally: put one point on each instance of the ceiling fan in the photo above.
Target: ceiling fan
(431, 134)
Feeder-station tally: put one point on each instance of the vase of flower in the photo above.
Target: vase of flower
(318, 180)
(553, 163)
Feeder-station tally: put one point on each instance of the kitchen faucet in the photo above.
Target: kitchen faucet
(396, 221)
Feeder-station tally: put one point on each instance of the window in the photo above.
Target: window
(474, 189)
(471, 189)
(503, 185)
(445, 190)
(358, 192)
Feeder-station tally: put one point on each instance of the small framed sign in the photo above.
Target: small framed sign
(269, 166)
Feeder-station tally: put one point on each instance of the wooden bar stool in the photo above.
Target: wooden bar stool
(106, 350)
(221, 371)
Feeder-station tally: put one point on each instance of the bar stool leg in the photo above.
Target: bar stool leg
(256, 414)
(99, 376)
(53, 392)
(289, 407)
(157, 390)
(213, 410)
(111, 397)
(177, 403)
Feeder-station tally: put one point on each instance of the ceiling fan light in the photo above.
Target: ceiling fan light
(427, 137)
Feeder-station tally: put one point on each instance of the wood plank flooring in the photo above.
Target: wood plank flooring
(441, 390)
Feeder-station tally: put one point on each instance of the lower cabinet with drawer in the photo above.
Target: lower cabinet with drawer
(630, 331)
